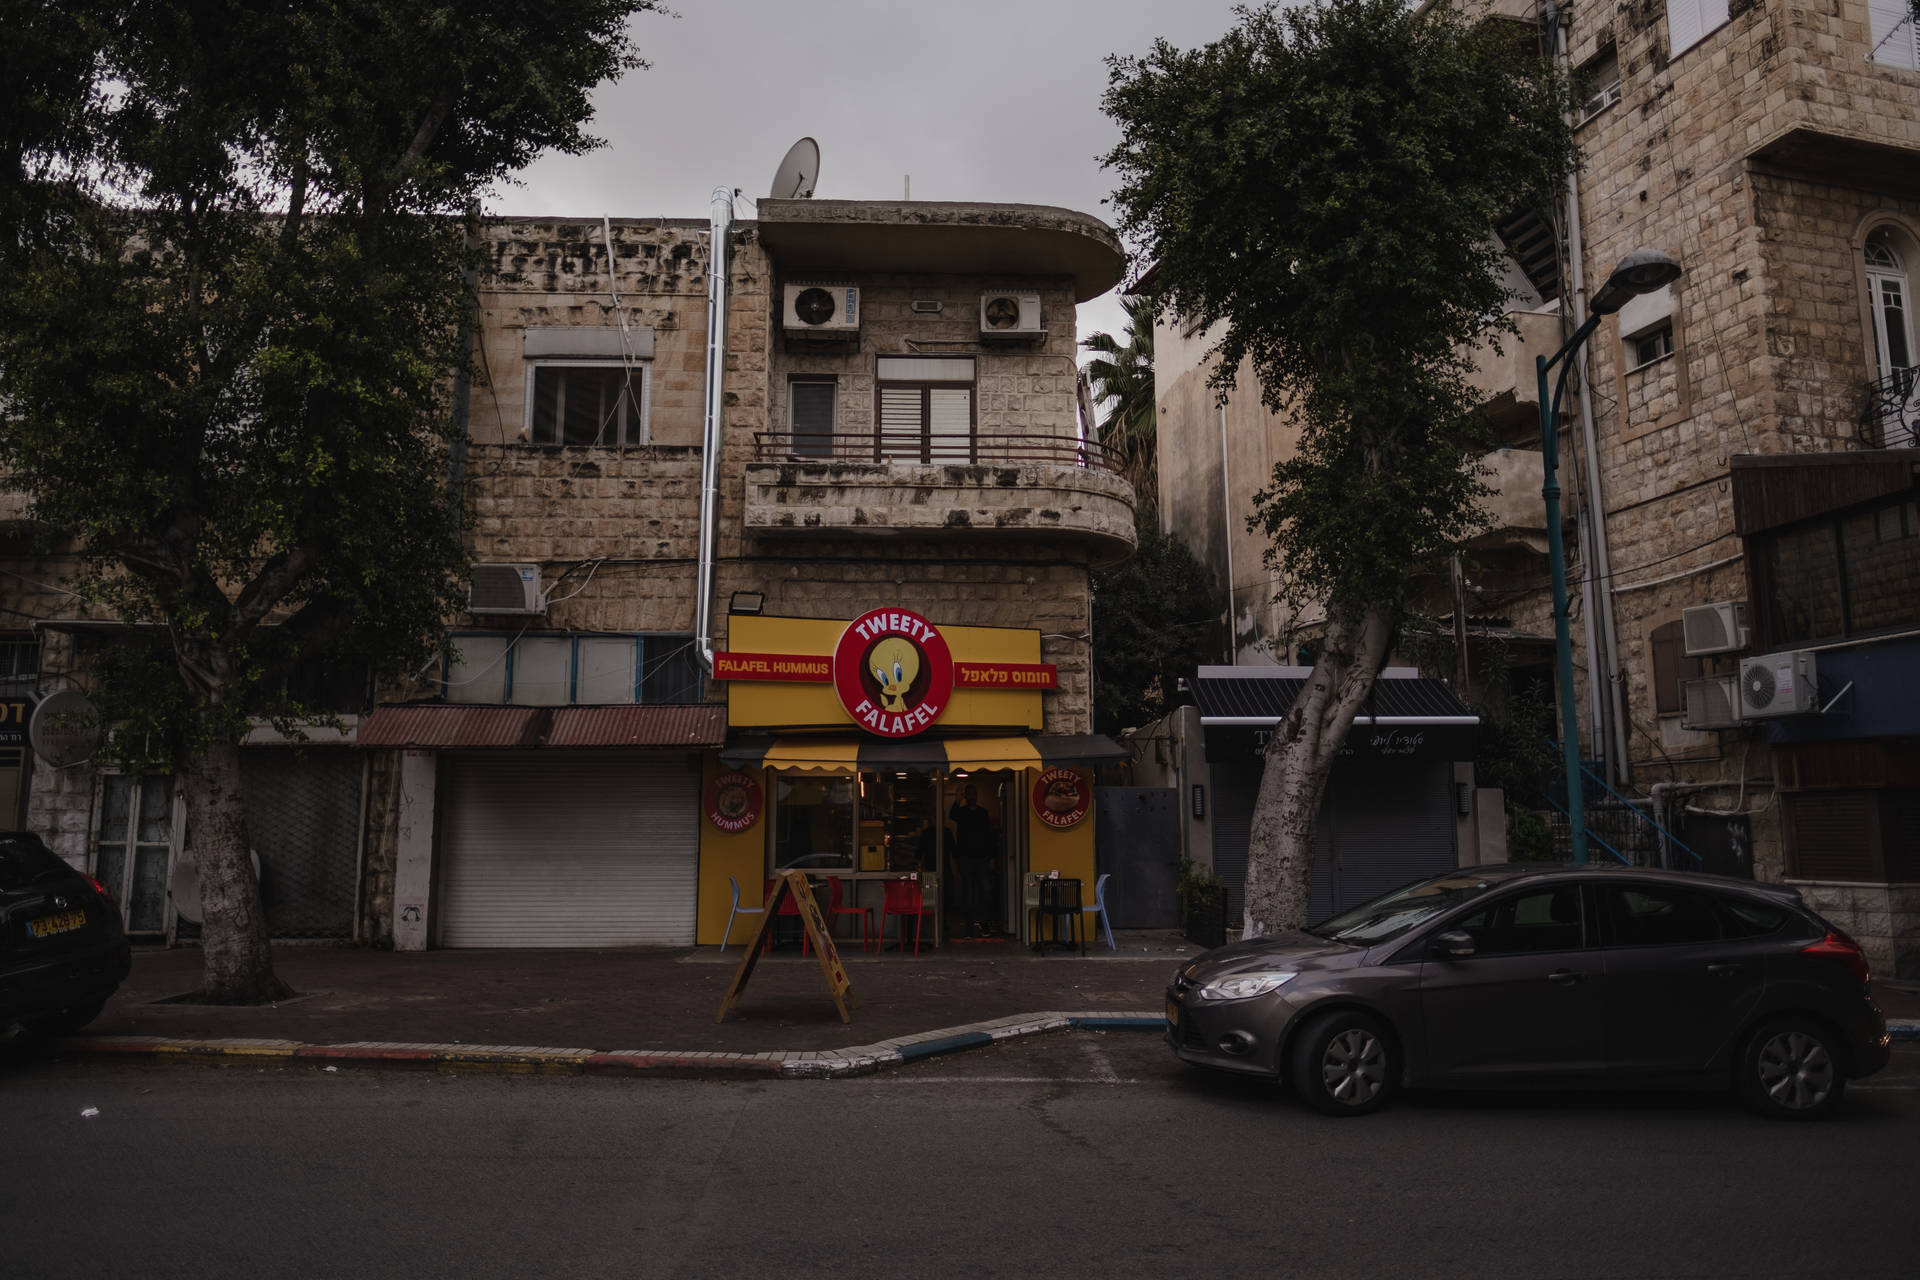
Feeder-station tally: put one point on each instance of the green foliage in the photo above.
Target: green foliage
(231, 306)
(1121, 378)
(1156, 616)
(1196, 887)
(1322, 181)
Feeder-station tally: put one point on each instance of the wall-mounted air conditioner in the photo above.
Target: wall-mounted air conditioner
(1712, 702)
(505, 588)
(1010, 315)
(820, 310)
(1778, 684)
(1714, 628)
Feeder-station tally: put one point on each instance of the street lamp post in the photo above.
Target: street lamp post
(1641, 271)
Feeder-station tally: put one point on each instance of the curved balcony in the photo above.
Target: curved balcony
(975, 484)
(1507, 379)
(1515, 514)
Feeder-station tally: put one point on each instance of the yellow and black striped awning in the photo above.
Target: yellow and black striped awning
(873, 755)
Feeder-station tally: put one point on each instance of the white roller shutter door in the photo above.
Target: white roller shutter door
(568, 852)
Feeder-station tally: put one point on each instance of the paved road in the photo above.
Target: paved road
(1077, 1154)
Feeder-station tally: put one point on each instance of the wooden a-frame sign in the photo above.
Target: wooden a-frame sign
(794, 884)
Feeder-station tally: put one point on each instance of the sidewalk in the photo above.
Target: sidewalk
(653, 1010)
(636, 1009)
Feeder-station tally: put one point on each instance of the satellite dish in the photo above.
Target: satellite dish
(183, 886)
(66, 729)
(795, 177)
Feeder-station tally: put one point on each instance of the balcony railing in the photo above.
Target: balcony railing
(977, 448)
(1892, 417)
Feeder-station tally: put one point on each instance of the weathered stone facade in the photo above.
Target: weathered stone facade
(1760, 158)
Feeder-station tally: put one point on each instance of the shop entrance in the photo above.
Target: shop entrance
(980, 854)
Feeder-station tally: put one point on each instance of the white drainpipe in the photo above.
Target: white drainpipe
(717, 254)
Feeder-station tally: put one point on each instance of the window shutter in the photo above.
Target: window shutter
(1891, 34)
(950, 424)
(1689, 22)
(542, 667)
(901, 423)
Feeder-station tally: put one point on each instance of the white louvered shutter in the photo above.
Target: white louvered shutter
(1690, 21)
(1892, 35)
(950, 424)
(901, 423)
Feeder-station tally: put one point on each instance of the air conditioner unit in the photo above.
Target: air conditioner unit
(1712, 702)
(1714, 628)
(506, 588)
(1010, 315)
(1778, 684)
(821, 310)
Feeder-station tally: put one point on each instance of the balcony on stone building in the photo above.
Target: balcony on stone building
(1507, 377)
(965, 485)
(1515, 515)
(1891, 419)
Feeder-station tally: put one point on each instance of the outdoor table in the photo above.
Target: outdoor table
(1060, 899)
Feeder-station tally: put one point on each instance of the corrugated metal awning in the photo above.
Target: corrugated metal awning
(1256, 699)
(848, 754)
(449, 728)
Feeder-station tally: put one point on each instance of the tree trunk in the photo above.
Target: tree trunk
(1299, 758)
(233, 933)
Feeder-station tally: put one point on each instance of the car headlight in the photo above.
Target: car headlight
(1245, 986)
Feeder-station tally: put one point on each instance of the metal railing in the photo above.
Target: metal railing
(978, 448)
(1892, 417)
(1617, 826)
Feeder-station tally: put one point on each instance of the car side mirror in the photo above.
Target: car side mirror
(1454, 944)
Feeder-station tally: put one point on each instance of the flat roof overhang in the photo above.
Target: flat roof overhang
(943, 238)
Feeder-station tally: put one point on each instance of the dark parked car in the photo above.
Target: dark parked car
(62, 950)
(1534, 974)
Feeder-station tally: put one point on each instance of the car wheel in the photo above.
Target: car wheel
(1343, 1064)
(66, 1021)
(1790, 1069)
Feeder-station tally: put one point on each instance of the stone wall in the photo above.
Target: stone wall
(1883, 918)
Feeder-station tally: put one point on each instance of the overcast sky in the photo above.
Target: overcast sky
(976, 100)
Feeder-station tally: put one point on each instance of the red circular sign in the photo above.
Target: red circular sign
(733, 801)
(893, 672)
(1061, 797)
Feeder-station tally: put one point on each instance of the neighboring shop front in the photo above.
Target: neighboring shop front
(1393, 810)
(546, 826)
(888, 747)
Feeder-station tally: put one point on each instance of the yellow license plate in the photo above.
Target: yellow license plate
(65, 922)
(1173, 1013)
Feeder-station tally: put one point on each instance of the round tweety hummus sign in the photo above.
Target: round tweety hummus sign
(893, 671)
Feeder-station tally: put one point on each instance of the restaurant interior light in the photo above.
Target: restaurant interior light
(749, 603)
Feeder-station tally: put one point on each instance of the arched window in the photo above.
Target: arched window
(1889, 299)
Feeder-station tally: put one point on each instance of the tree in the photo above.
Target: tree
(231, 307)
(1322, 182)
(1121, 378)
(1157, 616)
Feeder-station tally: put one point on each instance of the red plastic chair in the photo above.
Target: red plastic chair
(836, 908)
(904, 898)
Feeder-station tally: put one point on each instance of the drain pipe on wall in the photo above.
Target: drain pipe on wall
(1610, 713)
(720, 233)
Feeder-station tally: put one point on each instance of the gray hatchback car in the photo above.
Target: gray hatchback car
(1539, 974)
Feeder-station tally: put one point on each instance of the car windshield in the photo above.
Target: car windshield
(1403, 909)
(23, 861)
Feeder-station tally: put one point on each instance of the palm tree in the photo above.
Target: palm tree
(1120, 378)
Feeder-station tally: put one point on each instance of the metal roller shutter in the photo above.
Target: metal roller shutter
(565, 851)
(1388, 823)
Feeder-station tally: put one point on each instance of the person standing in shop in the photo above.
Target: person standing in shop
(975, 845)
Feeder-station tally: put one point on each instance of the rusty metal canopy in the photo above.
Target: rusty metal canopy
(450, 728)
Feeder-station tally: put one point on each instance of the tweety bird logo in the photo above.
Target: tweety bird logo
(895, 663)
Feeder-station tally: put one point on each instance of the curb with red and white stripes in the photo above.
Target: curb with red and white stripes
(667, 1063)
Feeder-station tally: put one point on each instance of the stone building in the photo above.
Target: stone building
(1737, 464)
(856, 643)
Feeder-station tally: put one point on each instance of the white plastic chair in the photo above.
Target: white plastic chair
(1100, 906)
(737, 910)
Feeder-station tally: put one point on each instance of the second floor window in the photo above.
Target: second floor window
(527, 670)
(587, 403)
(925, 410)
